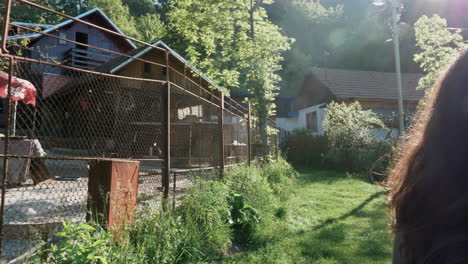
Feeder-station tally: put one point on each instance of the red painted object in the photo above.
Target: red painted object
(113, 190)
(21, 90)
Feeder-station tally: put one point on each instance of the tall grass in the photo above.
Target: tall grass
(211, 218)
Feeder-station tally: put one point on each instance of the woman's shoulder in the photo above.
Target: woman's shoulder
(449, 248)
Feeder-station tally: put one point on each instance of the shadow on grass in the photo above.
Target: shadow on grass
(306, 176)
(339, 241)
(352, 212)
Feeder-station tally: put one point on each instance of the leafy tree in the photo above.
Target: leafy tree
(234, 43)
(438, 47)
(151, 27)
(310, 23)
(140, 7)
(338, 34)
(119, 14)
(349, 131)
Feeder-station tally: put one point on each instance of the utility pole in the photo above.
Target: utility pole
(396, 42)
(395, 5)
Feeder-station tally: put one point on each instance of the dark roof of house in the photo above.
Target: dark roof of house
(368, 84)
(51, 28)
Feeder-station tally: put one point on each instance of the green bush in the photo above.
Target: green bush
(279, 175)
(205, 211)
(250, 182)
(156, 237)
(352, 147)
(201, 229)
(82, 243)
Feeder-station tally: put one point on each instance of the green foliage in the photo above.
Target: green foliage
(351, 143)
(233, 42)
(438, 46)
(119, 14)
(343, 34)
(156, 237)
(211, 216)
(244, 218)
(280, 175)
(139, 8)
(250, 182)
(81, 243)
(331, 219)
(151, 27)
(205, 210)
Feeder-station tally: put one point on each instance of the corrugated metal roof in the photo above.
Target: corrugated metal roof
(32, 24)
(368, 84)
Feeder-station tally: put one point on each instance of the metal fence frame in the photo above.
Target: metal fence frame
(214, 97)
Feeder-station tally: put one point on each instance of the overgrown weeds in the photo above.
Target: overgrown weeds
(211, 217)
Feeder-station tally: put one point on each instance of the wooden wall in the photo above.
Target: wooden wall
(48, 48)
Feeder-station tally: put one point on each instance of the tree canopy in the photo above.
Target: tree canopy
(438, 47)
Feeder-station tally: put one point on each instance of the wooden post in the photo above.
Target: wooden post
(249, 143)
(167, 135)
(221, 135)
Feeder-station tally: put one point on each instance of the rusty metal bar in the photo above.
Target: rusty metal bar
(202, 89)
(221, 137)
(192, 94)
(87, 23)
(198, 73)
(6, 150)
(167, 134)
(83, 70)
(89, 46)
(206, 168)
(277, 146)
(70, 158)
(6, 24)
(249, 143)
(174, 180)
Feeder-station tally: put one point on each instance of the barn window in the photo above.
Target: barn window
(147, 67)
(311, 121)
(62, 35)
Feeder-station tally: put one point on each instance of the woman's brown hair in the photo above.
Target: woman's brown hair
(429, 180)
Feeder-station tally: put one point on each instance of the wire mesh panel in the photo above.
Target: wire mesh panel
(83, 114)
(235, 138)
(194, 131)
(78, 118)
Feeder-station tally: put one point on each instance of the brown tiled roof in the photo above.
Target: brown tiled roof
(367, 84)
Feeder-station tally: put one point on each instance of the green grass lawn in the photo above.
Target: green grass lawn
(330, 218)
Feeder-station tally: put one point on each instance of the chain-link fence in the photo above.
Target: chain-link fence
(156, 109)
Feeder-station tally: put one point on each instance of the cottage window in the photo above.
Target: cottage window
(147, 67)
(311, 121)
(62, 35)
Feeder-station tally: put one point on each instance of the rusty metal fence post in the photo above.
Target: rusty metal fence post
(6, 24)
(167, 134)
(6, 152)
(221, 135)
(277, 138)
(249, 142)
